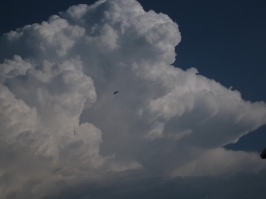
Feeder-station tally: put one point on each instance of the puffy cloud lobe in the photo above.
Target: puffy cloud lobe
(63, 125)
(16, 116)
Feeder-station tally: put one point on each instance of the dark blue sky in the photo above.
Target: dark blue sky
(225, 40)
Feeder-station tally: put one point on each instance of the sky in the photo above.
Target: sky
(188, 120)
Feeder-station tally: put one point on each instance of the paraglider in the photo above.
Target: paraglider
(116, 92)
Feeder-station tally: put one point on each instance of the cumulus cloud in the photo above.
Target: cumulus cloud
(61, 124)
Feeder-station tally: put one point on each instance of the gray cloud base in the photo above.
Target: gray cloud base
(62, 127)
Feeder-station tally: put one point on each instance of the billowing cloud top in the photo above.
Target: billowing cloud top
(61, 124)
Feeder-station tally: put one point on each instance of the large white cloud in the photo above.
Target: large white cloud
(61, 123)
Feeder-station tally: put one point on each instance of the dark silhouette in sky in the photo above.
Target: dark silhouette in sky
(263, 154)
